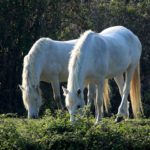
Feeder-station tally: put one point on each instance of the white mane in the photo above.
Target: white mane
(75, 61)
(29, 76)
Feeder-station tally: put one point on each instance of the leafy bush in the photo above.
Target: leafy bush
(56, 132)
(24, 22)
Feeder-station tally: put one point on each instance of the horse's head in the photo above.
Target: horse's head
(74, 101)
(32, 100)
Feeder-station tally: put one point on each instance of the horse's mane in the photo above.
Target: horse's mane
(29, 78)
(75, 60)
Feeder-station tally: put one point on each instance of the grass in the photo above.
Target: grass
(55, 132)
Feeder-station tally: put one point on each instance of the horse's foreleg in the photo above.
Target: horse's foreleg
(91, 96)
(123, 108)
(99, 101)
(56, 94)
(91, 93)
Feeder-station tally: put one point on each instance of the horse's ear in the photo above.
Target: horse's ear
(65, 91)
(78, 92)
(21, 87)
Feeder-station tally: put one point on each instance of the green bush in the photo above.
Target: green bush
(24, 22)
(56, 132)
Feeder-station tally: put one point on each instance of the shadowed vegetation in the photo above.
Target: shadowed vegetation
(56, 132)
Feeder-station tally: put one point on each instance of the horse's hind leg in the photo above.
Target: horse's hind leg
(120, 83)
(123, 108)
(56, 94)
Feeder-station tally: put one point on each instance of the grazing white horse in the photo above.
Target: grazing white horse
(95, 57)
(47, 61)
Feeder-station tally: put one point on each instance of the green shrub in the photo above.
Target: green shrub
(24, 22)
(56, 132)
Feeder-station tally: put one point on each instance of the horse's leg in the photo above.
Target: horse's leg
(91, 93)
(99, 100)
(123, 108)
(91, 96)
(120, 83)
(56, 94)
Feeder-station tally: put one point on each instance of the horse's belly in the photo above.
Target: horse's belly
(63, 76)
(50, 76)
(46, 77)
(117, 70)
(114, 74)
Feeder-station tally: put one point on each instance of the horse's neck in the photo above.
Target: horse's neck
(77, 62)
(29, 73)
(76, 74)
(75, 81)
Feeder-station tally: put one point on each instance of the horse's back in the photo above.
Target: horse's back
(115, 31)
(119, 33)
(56, 56)
(50, 58)
(123, 39)
(124, 48)
(47, 45)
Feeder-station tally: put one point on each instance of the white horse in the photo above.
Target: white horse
(47, 61)
(95, 57)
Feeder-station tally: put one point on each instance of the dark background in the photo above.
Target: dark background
(22, 22)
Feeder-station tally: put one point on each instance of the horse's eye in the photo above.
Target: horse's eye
(78, 106)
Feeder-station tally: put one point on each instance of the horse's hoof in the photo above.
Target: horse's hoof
(119, 119)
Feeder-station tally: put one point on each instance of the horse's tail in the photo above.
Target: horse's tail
(106, 95)
(135, 93)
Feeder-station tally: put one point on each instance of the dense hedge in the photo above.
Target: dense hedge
(23, 22)
(56, 132)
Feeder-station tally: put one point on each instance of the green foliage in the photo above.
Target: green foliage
(23, 22)
(56, 132)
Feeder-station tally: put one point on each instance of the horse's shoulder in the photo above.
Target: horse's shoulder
(99, 40)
